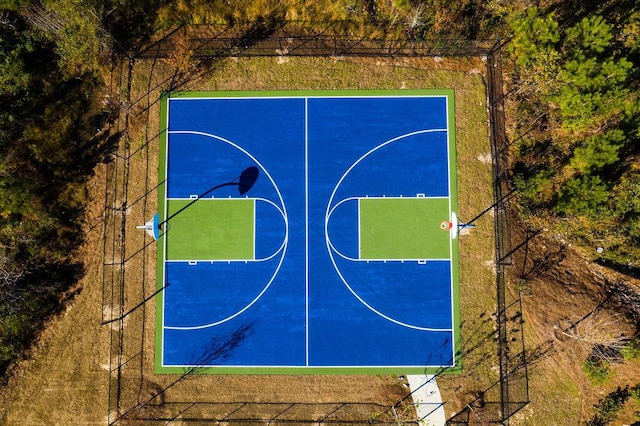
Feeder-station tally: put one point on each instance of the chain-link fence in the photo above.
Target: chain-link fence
(511, 393)
(135, 395)
(294, 39)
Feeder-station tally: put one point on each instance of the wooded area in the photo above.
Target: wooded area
(45, 162)
(577, 111)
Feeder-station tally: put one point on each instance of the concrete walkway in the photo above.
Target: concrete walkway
(426, 396)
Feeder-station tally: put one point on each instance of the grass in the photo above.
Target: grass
(72, 365)
(477, 250)
(598, 371)
(554, 396)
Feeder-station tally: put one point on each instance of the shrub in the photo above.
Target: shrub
(635, 393)
(631, 351)
(598, 370)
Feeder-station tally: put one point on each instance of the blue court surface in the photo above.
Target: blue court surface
(339, 259)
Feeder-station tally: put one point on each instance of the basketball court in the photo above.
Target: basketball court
(340, 256)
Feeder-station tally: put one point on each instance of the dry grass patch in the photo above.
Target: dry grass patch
(477, 251)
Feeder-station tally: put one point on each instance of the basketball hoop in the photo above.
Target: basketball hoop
(453, 226)
(445, 225)
(152, 227)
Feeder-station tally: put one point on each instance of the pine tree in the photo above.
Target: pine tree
(598, 151)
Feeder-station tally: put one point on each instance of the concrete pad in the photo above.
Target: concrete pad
(427, 398)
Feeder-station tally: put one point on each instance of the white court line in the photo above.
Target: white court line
(284, 211)
(359, 233)
(399, 197)
(254, 259)
(212, 198)
(164, 242)
(400, 260)
(239, 148)
(232, 316)
(210, 261)
(418, 132)
(374, 310)
(329, 245)
(306, 230)
(315, 367)
(306, 171)
(360, 258)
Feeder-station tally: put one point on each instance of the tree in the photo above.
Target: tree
(75, 29)
(532, 36)
(592, 92)
(42, 172)
(590, 36)
(596, 335)
(627, 197)
(13, 77)
(12, 4)
(598, 151)
(630, 34)
(576, 72)
(582, 85)
(592, 84)
(583, 195)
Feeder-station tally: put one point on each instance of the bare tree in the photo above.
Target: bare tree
(10, 275)
(6, 21)
(414, 19)
(599, 335)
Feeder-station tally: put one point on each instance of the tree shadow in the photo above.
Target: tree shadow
(217, 350)
(626, 269)
(543, 263)
(42, 292)
(607, 408)
(132, 23)
(571, 12)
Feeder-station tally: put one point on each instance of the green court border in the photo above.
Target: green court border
(455, 268)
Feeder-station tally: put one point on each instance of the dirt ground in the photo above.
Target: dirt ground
(566, 302)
